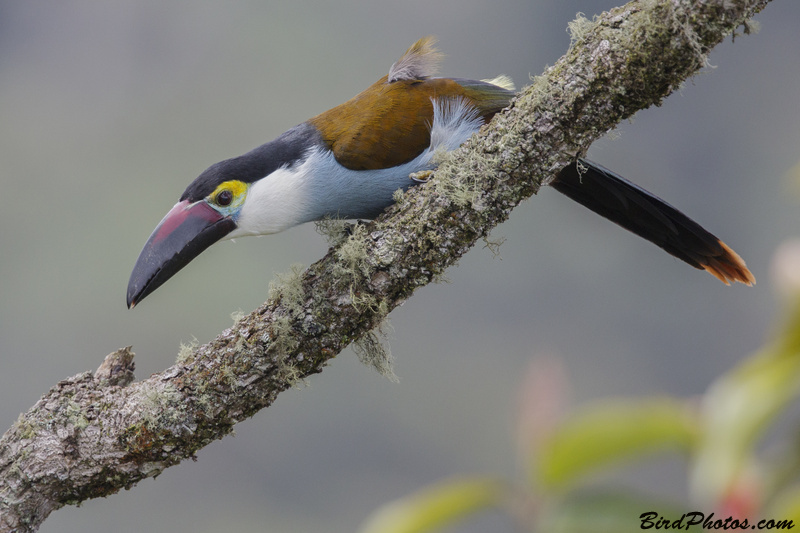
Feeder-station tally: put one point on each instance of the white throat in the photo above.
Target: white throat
(319, 186)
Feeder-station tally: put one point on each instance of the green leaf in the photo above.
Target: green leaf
(737, 409)
(436, 506)
(787, 506)
(604, 512)
(611, 432)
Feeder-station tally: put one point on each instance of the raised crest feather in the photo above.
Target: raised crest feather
(418, 63)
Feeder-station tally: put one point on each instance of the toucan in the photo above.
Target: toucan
(348, 161)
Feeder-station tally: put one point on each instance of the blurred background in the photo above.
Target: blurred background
(107, 112)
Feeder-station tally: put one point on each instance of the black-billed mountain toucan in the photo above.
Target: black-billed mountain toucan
(348, 161)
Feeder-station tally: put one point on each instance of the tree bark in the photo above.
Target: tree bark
(94, 434)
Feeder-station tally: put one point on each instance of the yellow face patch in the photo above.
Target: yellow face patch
(228, 195)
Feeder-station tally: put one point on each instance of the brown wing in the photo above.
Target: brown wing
(389, 123)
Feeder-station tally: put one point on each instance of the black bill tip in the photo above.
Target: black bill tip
(187, 230)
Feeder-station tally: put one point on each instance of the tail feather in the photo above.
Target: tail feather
(650, 217)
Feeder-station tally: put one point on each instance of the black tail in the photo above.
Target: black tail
(650, 217)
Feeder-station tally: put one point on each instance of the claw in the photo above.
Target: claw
(422, 176)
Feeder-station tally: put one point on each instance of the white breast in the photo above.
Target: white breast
(320, 187)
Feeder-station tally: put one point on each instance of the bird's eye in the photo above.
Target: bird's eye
(224, 198)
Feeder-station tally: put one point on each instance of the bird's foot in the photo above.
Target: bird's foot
(422, 176)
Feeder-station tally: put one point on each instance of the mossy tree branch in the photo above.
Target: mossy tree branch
(92, 435)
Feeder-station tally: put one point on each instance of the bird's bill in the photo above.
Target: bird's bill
(187, 230)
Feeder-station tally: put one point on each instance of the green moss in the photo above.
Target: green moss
(237, 315)
(288, 289)
(578, 28)
(464, 187)
(288, 372)
(25, 429)
(282, 337)
(229, 376)
(354, 268)
(493, 244)
(162, 406)
(75, 415)
(204, 397)
(165, 418)
(186, 352)
(335, 230)
(373, 350)
(353, 261)
(353, 271)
